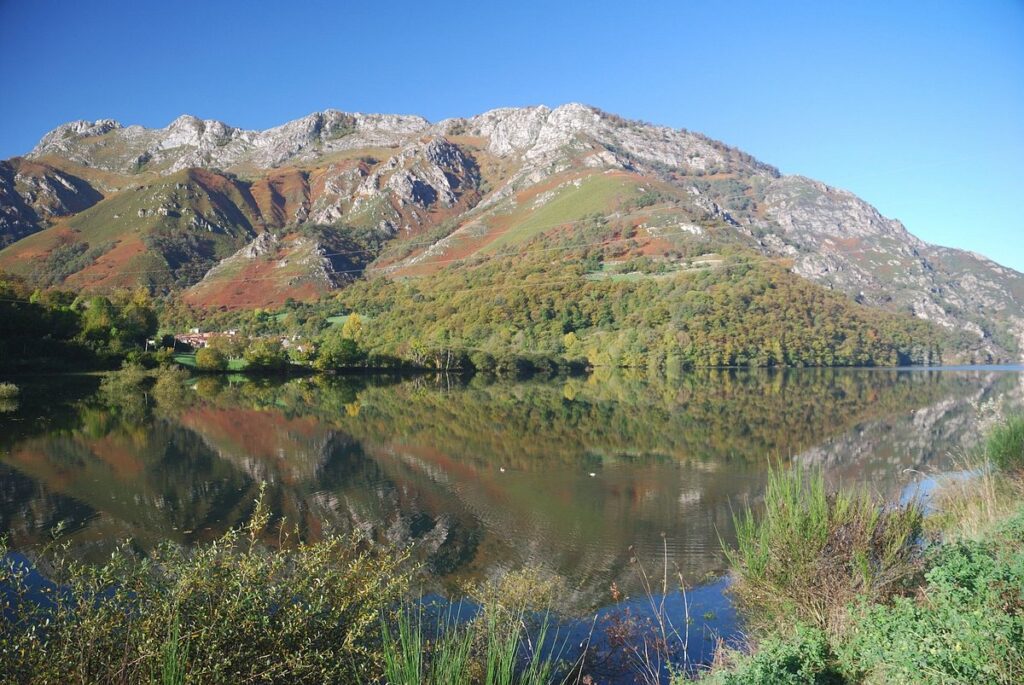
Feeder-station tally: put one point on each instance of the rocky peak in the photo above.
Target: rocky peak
(55, 141)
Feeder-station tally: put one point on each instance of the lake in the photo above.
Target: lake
(582, 478)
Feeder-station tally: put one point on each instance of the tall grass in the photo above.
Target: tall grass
(810, 553)
(497, 649)
(1004, 447)
(968, 508)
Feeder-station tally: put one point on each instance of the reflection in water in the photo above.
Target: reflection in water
(481, 476)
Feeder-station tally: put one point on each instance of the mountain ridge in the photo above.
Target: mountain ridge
(467, 187)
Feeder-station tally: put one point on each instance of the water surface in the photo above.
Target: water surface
(578, 477)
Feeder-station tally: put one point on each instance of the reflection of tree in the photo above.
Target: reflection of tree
(706, 416)
(419, 461)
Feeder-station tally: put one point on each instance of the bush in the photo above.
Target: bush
(967, 625)
(210, 359)
(125, 381)
(811, 553)
(235, 611)
(8, 391)
(1005, 445)
(164, 356)
(804, 659)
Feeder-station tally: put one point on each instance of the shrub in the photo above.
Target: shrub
(804, 659)
(812, 553)
(170, 389)
(164, 356)
(235, 611)
(967, 625)
(1005, 445)
(126, 380)
(8, 391)
(210, 359)
(338, 352)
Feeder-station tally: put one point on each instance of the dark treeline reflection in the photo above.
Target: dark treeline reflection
(482, 476)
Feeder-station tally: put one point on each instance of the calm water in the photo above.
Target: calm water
(482, 476)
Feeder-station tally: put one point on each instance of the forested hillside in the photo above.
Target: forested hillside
(566, 233)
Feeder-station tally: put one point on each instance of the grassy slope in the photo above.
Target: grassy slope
(116, 223)
(596, 193)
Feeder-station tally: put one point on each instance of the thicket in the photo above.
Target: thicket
(743, 313)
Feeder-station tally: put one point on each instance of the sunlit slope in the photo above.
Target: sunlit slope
(89, 207)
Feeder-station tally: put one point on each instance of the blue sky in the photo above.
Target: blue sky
(917, 107)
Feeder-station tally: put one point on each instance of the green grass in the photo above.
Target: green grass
(961, 620)
(965, 626)
(189, 361)
(230, 612)
(493, 649)
(596, 193)
(340, 319)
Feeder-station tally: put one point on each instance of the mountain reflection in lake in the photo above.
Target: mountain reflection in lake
(483, 476)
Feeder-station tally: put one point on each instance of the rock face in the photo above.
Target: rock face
(402, 176)
(33, 194)
(191, 142)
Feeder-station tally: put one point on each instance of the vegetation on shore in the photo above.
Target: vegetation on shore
(809, 554)
(234, 611)
(518, 313)
(950, 607)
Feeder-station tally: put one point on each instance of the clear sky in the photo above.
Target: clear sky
(918, 107)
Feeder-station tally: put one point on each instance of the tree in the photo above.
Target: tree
(210, 359)
(336, 351)
(231, 346)
(265, 354)
(353, 327)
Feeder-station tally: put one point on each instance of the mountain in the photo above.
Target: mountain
(236, 218)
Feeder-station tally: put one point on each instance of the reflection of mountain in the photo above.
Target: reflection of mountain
(151, 482)
(926, 438)
(483, 477)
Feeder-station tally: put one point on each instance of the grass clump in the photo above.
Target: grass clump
(1004, 447)
(961, 620)
(495, 650)
(507, 642)
(235, 611)
(9, 391)
(991, 490)
(812, 553)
